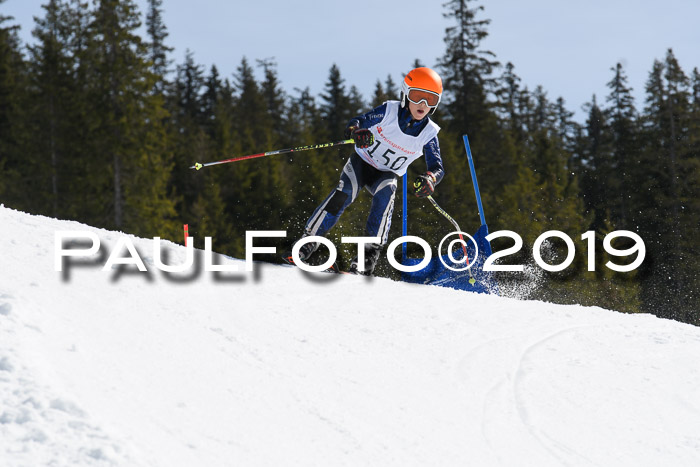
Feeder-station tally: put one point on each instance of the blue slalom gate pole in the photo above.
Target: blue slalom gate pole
(405, 218)
(476, 184)
(437, 272)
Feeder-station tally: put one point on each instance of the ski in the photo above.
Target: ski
(334, 269)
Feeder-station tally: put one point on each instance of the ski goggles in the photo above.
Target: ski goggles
(431, 99)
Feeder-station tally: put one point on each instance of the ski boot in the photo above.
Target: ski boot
(372, 252)
(305, 252)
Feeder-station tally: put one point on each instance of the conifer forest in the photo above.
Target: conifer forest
(101, 125)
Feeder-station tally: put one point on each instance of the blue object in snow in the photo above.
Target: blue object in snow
(436, 273)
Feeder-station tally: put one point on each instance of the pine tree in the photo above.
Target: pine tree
(158, 51)
(384, 92)
(685, 189)
(356, 102)
(695, 86)
(597, 165)
(379, 95)
(12, 78)
(189, 131)
(691, 198)
(310, 179)
(466, 70)
(417, 63)
(678, 110)
(76, 169)
(253, 121)
(649, 182)
(622, 117)
(212, 220)
(508, 107)
(252, 189)
(128, 125)
(210, 100)
(521, 203)
(209, 133)
(188, 89)
(336, 107)
(667, 197)
(275, 103)
(59, 108)
(306, 116)
(51, 70)
(391, 89)
(278, 170)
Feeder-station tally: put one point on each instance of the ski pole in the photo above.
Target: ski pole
(198, 166)
(454, 222)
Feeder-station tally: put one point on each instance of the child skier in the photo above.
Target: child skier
(387, 140)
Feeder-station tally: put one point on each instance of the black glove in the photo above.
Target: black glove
(425, 185)
(362, 136)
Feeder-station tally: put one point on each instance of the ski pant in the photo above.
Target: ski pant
(358, 174)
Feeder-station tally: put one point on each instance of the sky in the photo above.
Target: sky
(566, 47)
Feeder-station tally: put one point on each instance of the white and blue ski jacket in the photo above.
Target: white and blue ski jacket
(411, 127)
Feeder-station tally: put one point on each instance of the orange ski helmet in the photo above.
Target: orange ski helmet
(422, 84)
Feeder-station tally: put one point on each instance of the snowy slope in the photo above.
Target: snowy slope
(279, 368)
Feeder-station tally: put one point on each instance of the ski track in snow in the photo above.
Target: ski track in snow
(559, 450)
(39, 426)
(120, 368)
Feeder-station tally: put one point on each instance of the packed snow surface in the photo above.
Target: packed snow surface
(284, 368)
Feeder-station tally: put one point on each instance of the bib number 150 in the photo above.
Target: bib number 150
(387, 157)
